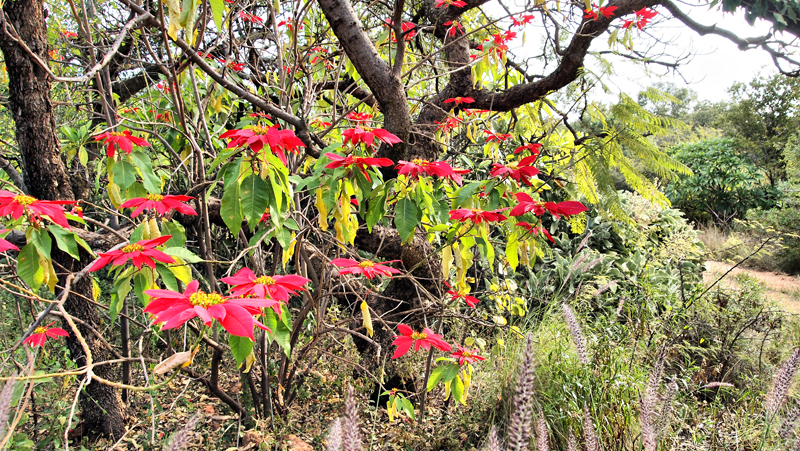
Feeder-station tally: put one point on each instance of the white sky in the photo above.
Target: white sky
(717, 62)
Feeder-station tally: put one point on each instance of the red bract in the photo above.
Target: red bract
(533, 148)
(5, 245)
(418, 166)
(477, 216)
(455, 28)
(367, 136)
(249, 17)
(460, 100)
(235, 315)
(257, 136)
(536, 230)
(358, 117)
(18, 204)
(359, 162)
(246, 283)
(122, 139)
(520, 22)
(261, 114)
(521, 171)
(641, 19)
(161, 204)
(141, 252)
(464, 355)
(456, 3)
(526, 204)
(320, 123)
(449, 124)
(424, 340)
(69, 34)
(471, 301)
(42, 333)
(366, 267)
(499, 137)
(408, 29)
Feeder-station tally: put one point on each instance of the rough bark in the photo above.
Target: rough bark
(47, 178)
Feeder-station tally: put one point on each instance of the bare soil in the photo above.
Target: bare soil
(781, 288)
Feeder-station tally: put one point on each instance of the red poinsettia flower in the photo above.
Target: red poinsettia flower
(18, 204)
(477, 216)
(521, 171)
(367, 135)
(42, 333)
(246, 283)
(257, 136)
(534, 148)
(418, 166)
(526, 204)
(69, 34)
(250, 17)
(424, 340)
(449, 124)
(455, 28)
(460, 100)
(359, 162)
(536, 230)
(456, 3)
(358, 117)
(141, 252)
(235, 315)
(161, 204)
(320, 123)
(367, 268)
(261, 114)
(471, 301)
(521, 21)
(408, 29)
(464, 355)
(499, 137)
(641, 19)
(123, 139)
(5, 245)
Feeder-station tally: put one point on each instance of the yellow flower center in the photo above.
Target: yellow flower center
(132, 248)
(259, 129)
(117, 134)
(266, 280)
(419, 336)
(24, 200)
(39, 330)
(366, 264)
(155, 197)
(513, 164)
(419, 161)
(466, 354)
(205, 300)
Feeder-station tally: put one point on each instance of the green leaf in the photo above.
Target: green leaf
(183, 253)
(444, 373)
(124, 174)
(41, 239)
(121, 289)
(255, 198)
(466, 193)
(65, 240)
(217, 9)
(231, 210)
(280, 332)
(151, 181)
(377, 210)
(177, 231)
(408, 408)
(406, 218)
(167, 277)
(141, 283)
(458, 390)
(28, 267)
(241, 347)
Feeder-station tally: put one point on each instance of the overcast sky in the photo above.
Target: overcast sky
(717, 63)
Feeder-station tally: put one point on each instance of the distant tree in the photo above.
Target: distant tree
(762, 117)
(671, 100)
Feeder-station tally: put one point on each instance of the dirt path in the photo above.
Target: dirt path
(779, 287)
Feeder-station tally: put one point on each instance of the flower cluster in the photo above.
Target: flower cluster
(366, 268)
(160, 203)
(124, 140)
(641, 19)
(413, 169)
(256, 137)
(361, 163)
(42, 333)
(16, 205)
(605, 11)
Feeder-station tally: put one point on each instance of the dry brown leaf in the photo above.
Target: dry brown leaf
(178, 359)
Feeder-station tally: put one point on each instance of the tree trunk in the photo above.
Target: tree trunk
(47, 178)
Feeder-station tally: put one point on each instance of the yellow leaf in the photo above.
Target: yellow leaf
(447, 261)
(152, 226)
(174, 8)
(289, 251)
(114, 194)
(95, 290)
(248, 362)
(181, 270)
(50, 277)
(367, 318)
